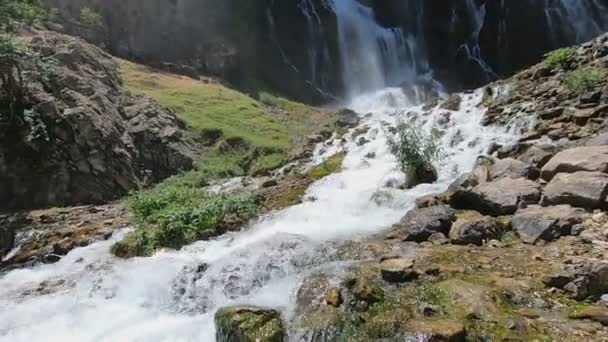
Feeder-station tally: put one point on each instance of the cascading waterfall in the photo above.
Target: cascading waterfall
(471, 47)
(373, 56)
(317, 50)
(576, 21)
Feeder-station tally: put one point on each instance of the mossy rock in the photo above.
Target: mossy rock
(248, 324)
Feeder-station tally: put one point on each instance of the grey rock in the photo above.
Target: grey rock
(538, 155)
(580, 189)
(598, 140)
(452, 103)
(583, 278)
(547, 223)
(419, 224)
(585, 158)
(500, 197)
(474, 231)
(398, 270)
(513, 168)
(347, 118)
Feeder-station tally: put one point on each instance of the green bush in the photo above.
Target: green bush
(585, 79)
(414, 150)
(560, 58)
(90, 17)
(12, 12)
(174, 216)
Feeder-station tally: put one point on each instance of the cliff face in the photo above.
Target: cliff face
(294, 46)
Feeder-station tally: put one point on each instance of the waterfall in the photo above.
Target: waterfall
(575, 21)
(373, 56)
(317, 50)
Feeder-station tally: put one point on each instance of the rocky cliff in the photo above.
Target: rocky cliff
(100, 141)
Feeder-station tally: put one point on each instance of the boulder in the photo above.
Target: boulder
(452, 103)
(580, 189)
(538, 155)
(547, 223)
(585, 158)
(347, 118)
(474, 231)
(513, 168)
(248, 324)
(419, 224)
(496, 198)
(398, 270)
(581, 279)
(423, 175)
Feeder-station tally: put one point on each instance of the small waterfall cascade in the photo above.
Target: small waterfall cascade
(317, 50)
(575, 21)
(372, 56)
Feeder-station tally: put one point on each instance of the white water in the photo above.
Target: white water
(106, 299)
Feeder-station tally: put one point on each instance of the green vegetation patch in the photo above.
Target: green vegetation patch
(332, 165)
(173, 216)
(586, 79)
(560, 58)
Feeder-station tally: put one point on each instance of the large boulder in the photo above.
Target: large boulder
(102, 141)
(496, 198)
(547, 223)
(580, 189)
(248, 324)
(419, 224)
(586, 158)
(474, 230)
(513, 168)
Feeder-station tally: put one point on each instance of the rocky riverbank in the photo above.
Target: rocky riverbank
(515, 249)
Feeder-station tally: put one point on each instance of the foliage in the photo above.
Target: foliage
(173, 216)
(585, 79)
(414, 149)
(90, 17)
(12, 12)
(560, 58)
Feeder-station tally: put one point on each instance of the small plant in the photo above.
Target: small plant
(586, 79)
(90, 17)
(560, 58)
(415, 151)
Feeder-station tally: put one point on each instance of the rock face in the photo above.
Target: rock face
(580, 189)
(419, 224)
(499, 197)
(102, 142)
(248, 324)
(546, 223)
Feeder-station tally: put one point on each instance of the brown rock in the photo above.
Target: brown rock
(398, 270)
(586, 158)
(333, 297)
(580, 189)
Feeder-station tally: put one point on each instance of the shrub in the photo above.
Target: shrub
(174, 216)
(560, 58)
(585, 79)
(414, 150)
(13, 12)
(90, 17)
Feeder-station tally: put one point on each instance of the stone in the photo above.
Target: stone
(581, 279)
(347, 118)
(419, 224)
(248, 324)
(432, 200)
(438, 330)
(579, 189)
(538, 155)
(398, 270)
(598, 140)
(594, 313)
(365, 290)
(333, 297)
(547, 223)
(452, 103)
(496, 198)
(474, 231)
(423, 175)
(438, 239)
(513, 168)
(585, 158)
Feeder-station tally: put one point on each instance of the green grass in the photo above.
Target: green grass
(560, 58)
(333, 164)
(176, 215)
(586, 79)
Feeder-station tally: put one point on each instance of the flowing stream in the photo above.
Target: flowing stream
(91, 296)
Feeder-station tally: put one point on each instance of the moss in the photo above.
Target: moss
(249, 325)
(332, 165)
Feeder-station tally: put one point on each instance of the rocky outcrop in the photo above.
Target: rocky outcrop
(102, 141)
(248, 324)
(419, 224)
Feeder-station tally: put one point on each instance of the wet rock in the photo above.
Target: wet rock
(248, 324)
(432, 200)
(594, 313)
(586, 158)
(398, 270)
(419, 224)
(423, 175)
(474, 231)
(499, 197)
(452, 103)
(583, 278)
(347, 118)
(438, 330)
(333, 297)
(513, 168)
(580, 189)
(547, 223)
(7, 239)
